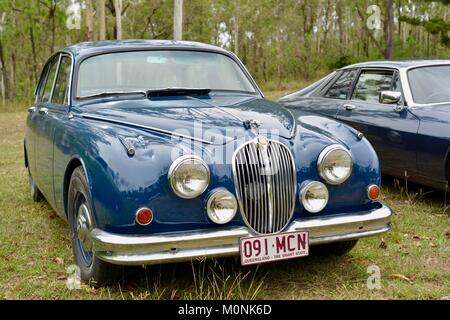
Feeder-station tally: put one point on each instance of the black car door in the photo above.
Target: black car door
(327, 100)
(390, 132)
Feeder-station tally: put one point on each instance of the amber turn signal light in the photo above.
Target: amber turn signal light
(373, 192)
(144, 216)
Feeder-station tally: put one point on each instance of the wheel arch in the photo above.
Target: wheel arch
(73, 164)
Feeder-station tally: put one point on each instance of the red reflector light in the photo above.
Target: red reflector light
(373, 192)
(144, 216)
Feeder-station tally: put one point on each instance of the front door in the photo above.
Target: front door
(390, 132)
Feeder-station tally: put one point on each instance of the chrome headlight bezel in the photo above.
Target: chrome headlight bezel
(173, 170)
(322, 162)
(216, 194)
(304, 193)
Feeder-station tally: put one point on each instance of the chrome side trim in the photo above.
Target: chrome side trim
(184, 246)
(139, 126)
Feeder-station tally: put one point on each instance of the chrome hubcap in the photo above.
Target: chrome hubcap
(84, 227)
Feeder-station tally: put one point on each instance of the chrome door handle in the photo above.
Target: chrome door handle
(43, 111)
(349, 107)
(32, 110)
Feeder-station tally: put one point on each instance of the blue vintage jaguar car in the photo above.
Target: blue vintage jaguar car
(162, 151)
(402, 107)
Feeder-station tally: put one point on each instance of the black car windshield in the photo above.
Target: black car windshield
(430, 85)
(134, 71)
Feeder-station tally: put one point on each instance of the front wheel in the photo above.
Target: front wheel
(334, 249)
(92, 270)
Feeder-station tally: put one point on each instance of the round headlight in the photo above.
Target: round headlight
(221, 207)
(335, 164)
(314, 196)
(189, 176)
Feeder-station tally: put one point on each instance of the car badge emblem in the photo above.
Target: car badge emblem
(252, 124)
(262, 141)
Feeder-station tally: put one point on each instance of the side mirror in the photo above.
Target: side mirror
(390, 97)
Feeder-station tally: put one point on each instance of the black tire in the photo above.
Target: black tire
(333, 249)
(36, 194)
(92, 270)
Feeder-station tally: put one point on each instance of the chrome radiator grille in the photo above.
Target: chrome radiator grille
(265, 181)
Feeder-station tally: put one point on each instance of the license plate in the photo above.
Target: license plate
(274, 247)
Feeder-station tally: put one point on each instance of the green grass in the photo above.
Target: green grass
(35, 252)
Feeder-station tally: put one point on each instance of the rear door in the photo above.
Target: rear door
(391, 133)
(329, 99)
(44, 149)
(52, 112)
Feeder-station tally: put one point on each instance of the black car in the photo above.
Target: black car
(403, 108)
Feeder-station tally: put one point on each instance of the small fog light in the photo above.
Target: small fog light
(221, 206)
(373, 192)
(144, 216)
(314, 196)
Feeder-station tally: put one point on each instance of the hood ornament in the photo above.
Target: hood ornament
(252, 124)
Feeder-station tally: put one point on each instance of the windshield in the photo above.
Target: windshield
(150, 70)
(430, 84)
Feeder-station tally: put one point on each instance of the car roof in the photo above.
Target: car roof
(399, 64)
(92, 48)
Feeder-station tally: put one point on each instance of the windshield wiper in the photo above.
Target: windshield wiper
(177, 92)
(112, 94)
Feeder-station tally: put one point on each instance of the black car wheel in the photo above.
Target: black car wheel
(36, 194)
(92, 270)
(333, 249)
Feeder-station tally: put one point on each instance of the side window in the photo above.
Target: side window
(396, 83)
(60, 94)
(341, 88)
(47, 85)
(371, 83)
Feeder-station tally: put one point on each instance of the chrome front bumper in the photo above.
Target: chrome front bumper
(183, 246)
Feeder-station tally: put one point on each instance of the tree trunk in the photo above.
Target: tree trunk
(52, 17)
(12, 79)
(101, 16)
(3, 74)
(236, 27)
(178, 20)
(389, 29)
(33, 48)
(90, 20)
(118, 9)
(340, 26)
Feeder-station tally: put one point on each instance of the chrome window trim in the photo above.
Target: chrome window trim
(407, 88)
(323, 155)
(54, 80)
(176, 164)
(228, 54)
(61, 55)
(235, 178)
